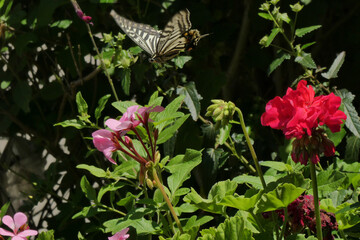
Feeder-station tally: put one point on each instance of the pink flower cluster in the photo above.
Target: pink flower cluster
(299, 113)
(108, 141)
(301, 214)
(80, 13)
(19, 227)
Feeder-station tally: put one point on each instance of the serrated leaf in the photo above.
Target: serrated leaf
(254, 181)
(224, 134)
(81, 104)
(240, 202)
(192, 98)
(271, 37)
(97, 172)
(186, 163)
(307, 45)
(277, 62)
(302, 31)
(352, 118)
(109, 188)
(352, 149)
(280, 197)
(181, 60)
(101, 105)
(169, 131)
(306, 60)
(329, 181)
(335, 66)
(48, 235)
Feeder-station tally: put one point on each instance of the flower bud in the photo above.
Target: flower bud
(149, 183)
(221, 111)
(296, 7)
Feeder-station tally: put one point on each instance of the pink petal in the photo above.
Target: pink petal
(112, 124)
(108, 154)
(4, 232)
(8, 221)
(102, 139)
(120, 235)
(19, 219)
(27, 233)
(18, 238)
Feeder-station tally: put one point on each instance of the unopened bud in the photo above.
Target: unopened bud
(149, 183)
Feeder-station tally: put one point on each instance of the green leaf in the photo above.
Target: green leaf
(5, 83)
(101, 105)
(181, 60)
(280, 197)
(254, 181)
(135, 50)
(265, 16)
(81, 104)
(109, 188)
(192, 98)
(352, 121)
(72, 123)
(63, 24)
(281, 57)
(122, 106)
(97, 172)
(352, 149)
(22, 95)
(166, 117)
(335, 66)
(194, 222)
(232, 228)
(87, 212)
(272, 35)
(347, 215)
(48, 235)
(216, 194)
(306, 60)
(180, 168)
(87, 188)
(4, 209)
(279, 166)
(302, 31)
(307, 45)
(240, 202)
(126, 80)
(224, 134)
(171, 130)
(329, 181)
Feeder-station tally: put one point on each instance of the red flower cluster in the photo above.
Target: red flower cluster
(298, 114)
(301, 214)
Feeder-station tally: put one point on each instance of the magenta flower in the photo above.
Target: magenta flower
(104, 142)
(120, 235)
(144, 113)
(126, 123)
(80, 13)
(20, 230)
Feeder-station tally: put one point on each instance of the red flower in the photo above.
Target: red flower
(298, 114)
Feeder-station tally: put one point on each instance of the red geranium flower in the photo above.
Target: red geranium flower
(298, 114)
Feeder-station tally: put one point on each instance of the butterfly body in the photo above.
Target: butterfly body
(177, 36)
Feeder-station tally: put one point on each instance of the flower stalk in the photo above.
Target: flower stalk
(316, 201)
(167, 200)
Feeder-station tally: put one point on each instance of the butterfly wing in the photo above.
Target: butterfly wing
(142, 34)
(171, 40)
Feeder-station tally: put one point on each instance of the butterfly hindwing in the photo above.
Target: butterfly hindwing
(142, 34)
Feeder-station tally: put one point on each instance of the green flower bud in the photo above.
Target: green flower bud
(296, 7)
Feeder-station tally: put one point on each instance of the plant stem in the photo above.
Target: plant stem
(242, 159)
(111, 209)
(284, 225)
(252, 151)
(316, 201)
(167, 200)
(102, 63)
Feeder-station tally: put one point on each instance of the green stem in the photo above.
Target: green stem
(284, 225)
(252, 151)
(316, 201)
(102, 63)
(167, 200)
(242, 159)
(111, 209)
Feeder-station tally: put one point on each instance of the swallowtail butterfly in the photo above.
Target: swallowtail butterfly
(162, 45)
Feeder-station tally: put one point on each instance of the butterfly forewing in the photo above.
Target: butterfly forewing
(142, 34)
(171, 41)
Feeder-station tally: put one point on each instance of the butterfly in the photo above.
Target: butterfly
(177, 36)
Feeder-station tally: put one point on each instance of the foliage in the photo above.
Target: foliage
(62, 78)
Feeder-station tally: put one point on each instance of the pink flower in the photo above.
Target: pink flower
(20, 230)
(126, 123)
(104, 142)
(298, 114)
(80, 13)
(144, 113)
(120, 235)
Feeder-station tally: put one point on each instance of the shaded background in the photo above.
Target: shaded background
(39, 81)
